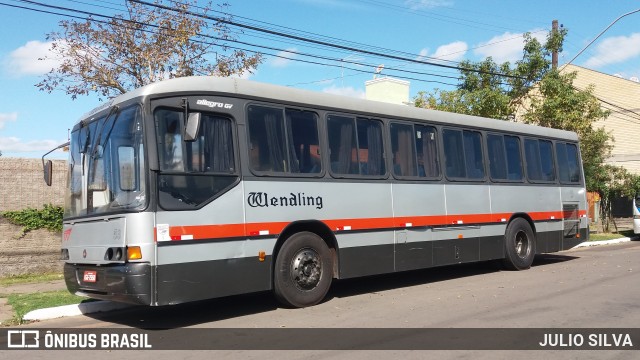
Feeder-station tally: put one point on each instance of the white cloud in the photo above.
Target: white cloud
(427, 4)
(344, 91)
(4, 118)
(14, 144)
(246, 75)
(615, 50)
(25, 60)
(506, 47)
(454, 51)
(284, 57)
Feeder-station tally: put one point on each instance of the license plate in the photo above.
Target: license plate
(89, 276)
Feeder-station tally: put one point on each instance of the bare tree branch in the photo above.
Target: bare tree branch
(143, 45)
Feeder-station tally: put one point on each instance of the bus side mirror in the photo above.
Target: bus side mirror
(48, 172)
(48, 165)
(192, 127)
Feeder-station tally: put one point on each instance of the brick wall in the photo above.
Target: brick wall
(22, 186)
(36, 252)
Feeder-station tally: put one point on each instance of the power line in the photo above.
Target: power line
(314, 36)
(619, 110)
(373, 2)
(235, 41)
(319, 42)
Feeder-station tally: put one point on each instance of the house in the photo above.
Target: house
(622, 98)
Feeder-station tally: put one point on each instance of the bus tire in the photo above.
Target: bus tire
(303, 270)
(520, 245)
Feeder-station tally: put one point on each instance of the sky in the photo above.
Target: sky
(438, 31)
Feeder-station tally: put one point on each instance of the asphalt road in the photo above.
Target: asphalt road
(590, 288)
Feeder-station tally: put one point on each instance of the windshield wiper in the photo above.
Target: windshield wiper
(97, 144)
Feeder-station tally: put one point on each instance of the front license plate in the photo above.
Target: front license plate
(89, 276)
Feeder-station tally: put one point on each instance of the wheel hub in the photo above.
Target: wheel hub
(522, 244)
(306, 269)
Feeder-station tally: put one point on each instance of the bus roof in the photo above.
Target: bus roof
(305, 98)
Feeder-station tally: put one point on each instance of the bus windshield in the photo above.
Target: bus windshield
(106, 165)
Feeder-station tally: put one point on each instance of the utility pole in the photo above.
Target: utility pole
(554, 54)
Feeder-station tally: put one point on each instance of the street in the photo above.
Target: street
(593, 288)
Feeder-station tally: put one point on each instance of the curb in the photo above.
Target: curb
(102, 306)
(602, 242)
(74, 310)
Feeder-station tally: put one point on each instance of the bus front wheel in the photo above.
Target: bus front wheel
(520, 245)
(303, 270)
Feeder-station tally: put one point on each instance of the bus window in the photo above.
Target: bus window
(514, 158)
(539, 160)
(426, 145)
(473, 154)
(463, 154)
(404, 152)
(453, 153)
(505, 163)
(414, 151)
(267, 140)
(546, 160)
(497, 157)
(170, 145)
(302, 137)
(370, 149)
(194, 172)
(356, 146)
(568, 163)
(279, 146)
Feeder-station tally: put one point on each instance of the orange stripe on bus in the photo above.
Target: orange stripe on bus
(274, 228)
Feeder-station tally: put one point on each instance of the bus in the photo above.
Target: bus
(200, 187)
(636, 214)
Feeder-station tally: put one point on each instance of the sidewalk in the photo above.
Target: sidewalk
(6, 313)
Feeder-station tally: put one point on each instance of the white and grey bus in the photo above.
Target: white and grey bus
(636, 214)
(196, 188)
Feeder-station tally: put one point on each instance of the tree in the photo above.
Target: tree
(144, 45)
(496, 91)
(557, 104)
(534, 92)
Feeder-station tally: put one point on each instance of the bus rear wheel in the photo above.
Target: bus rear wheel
(303, 270)
(520, 245)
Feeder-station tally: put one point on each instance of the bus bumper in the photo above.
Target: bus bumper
(128, 283)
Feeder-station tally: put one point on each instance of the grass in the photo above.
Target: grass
(29, 278)
(24, 303)
(610, 236)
